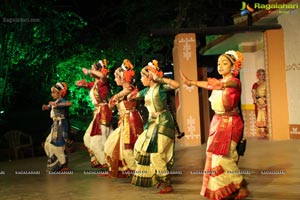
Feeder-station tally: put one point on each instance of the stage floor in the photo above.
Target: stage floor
(272, 170)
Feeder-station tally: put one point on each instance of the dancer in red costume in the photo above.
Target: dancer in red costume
(119, 146)
(259, 92)
(221, 177)
(99, 128)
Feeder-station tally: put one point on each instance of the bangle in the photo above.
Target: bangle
(159, 80)
(116, 97)
(89, 71)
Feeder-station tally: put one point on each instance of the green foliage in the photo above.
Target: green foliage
(33, 56)
(30, 51)
(70, 71)
(8, 90)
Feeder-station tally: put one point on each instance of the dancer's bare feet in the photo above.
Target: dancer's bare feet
(243, 193)
(166, 189)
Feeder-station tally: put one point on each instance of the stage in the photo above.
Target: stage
(271, 168)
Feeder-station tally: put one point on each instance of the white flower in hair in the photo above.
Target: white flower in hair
(59, 85)
(232, 52)
(151, 64)
(124, 67)
(101, 63)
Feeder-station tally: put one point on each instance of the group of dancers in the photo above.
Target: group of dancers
(145, 151)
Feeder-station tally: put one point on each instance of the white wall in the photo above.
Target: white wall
(252, 62)
(291, 26)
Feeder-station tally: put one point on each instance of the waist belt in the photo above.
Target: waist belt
(126, 111)
(101, 104)
(261, 97)
(58, 118)
(156, 114)
(228, 114)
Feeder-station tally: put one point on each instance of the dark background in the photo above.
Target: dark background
(71, 34)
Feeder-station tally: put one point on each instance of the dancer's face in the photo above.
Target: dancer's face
(55, 94)
(145, 80)
(118, 80)
(261, 76)
(224, 66)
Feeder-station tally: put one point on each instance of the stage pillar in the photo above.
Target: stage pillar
(277, 96)
(187, 98)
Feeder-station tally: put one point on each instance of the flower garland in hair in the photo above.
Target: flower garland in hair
(127, 68)
(154, 68)
(103, 68)
(238, 60)
(62, 88)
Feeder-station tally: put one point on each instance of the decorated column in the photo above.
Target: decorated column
(187, 98)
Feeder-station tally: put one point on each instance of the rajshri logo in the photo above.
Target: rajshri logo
(246, 9)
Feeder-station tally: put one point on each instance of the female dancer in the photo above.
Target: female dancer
(221, 177)
(99, 128)
(259, 92)
(119, 146)
(154, 148)
(55, 143)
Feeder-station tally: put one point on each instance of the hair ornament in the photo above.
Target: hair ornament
(126, 71)
(101, 63)
(126, 65)
(101, 66)
(154, 68)
(236, 58)
(61, 87)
